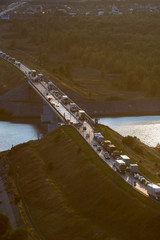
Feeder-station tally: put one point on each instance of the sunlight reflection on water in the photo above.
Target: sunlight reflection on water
(146, 128)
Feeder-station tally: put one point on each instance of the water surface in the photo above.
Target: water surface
(12, 134)
(146, 128)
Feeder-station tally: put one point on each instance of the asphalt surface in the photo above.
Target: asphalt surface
(10, 8)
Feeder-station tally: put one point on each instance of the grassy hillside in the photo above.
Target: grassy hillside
(148, 158)
(10, 77)
(72, 194)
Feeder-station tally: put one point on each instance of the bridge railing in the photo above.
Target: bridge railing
(88, 118)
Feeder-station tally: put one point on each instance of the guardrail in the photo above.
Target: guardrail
(90, 120)
(58, 113)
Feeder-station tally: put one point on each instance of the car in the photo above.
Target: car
(114, 164)
(127, 169)
(87, 135)
(78, 124)
(106, 155)
(136, 176)
(99, 148)
(141, 179)
(146, 182)
(84, 128)
(94, 144)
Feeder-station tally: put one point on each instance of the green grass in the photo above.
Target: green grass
(72, 194)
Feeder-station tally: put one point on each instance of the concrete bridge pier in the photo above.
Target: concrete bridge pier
(49, 117)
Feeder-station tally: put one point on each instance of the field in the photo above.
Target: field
(98, 58)
(72, 194)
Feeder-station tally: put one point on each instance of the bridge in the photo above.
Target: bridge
(53, 104)
(52, 99)
(12, 7)
(54, 110)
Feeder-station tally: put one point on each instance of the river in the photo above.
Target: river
(146, 128)
(12, 134)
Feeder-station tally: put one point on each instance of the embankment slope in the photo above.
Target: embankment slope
(10, 77)
(72, 194)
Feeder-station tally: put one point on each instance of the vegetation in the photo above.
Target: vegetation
(10, 77)
(72, 194)
(8, 233)
(122, 50)
(4, 115)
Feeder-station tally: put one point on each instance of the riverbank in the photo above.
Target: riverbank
(23, 102)
(74, 206)
(141, 107)
(145, 128)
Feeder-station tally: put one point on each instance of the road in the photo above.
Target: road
(126, 177)
(7, 205)
(53, 99)
(12, 8)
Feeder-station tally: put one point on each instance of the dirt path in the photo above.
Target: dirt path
(7, 205)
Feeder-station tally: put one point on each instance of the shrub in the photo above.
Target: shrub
(138, 149)
(130, 141)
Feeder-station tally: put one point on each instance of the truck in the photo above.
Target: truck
(100, 139)
(65, 99)
(33, 75)
(3, 55)
(6, 57)
(153, 191)
(115, 154)
(110, 148)
(18, 64)
(106, 143)
(126, 159)
(81, 114)
(73, 107)
(133, 168)
(50, 86)
(40, 77)
(120, 166)
(96, 135)
(13, 60)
